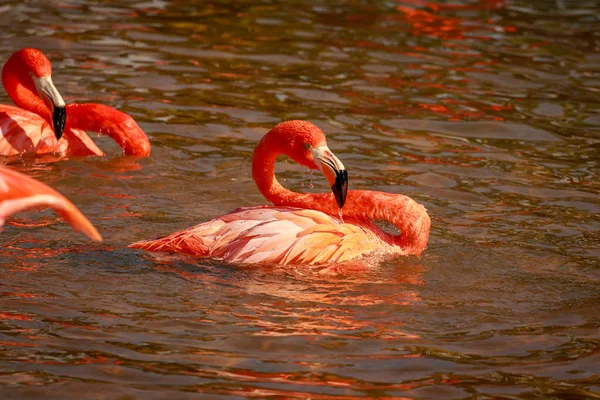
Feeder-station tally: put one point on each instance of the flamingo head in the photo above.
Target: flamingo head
(305, 143)
(39, 69)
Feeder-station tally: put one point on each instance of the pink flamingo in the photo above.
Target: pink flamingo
(303, 228)
(42, 117)
(19, 192)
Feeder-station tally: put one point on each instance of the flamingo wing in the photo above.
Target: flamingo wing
(22, 131)
(20, 192)
(270, 235)
(75, 142)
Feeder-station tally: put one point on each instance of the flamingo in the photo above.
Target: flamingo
(303, 228)
(42, 117)
(19, 192)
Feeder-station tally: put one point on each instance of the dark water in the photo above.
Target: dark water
(487, 112)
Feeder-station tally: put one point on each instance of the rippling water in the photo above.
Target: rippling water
(487, 112)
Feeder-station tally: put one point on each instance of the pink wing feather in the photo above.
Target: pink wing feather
(19, 192)
(22, 131)
(271, 235)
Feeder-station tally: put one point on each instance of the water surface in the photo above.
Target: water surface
(487, 112)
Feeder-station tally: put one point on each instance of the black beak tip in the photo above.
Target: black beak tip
(340, 187)
(59, 119)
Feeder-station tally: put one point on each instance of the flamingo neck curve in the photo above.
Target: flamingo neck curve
(362, 207)
(119, 126)
(21, 89)
(263, 173)
(407, 215)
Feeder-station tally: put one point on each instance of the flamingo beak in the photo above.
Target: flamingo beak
(334, 171)
(59, 118)
(54, 101)
(340, 187)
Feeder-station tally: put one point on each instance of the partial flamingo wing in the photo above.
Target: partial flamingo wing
(271, 235)
(76, 142)
(20, 192)
(22, 131)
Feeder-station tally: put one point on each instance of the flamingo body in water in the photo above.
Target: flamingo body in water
(19, 192)
(304, 228)
(43, 123)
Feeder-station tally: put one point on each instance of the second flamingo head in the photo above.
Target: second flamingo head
(33, 73)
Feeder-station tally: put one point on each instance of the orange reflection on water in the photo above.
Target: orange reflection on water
(307, 302)
(433, 24)
(16, 344)
(97, 359)
(78, 325)
(15, 316)
(27, 257)
(459, 33)
(452, 109)
(36, 253)
(19, 295)
(120, 215)
(425, 23)
(312, 379)
(29, 223)
(477, 5)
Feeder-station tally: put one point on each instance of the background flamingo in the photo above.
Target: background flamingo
(304, 228)
(41, 118)
(19, 192)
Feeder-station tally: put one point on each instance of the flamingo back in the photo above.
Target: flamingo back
(22, 131)
(271, 235)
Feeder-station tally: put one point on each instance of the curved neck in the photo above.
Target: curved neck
(21, 89)
(110, 122)
(263, 173)
(407, 215)
(362, 206)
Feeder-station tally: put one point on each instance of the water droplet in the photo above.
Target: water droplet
(340, 215)
(306, 170)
